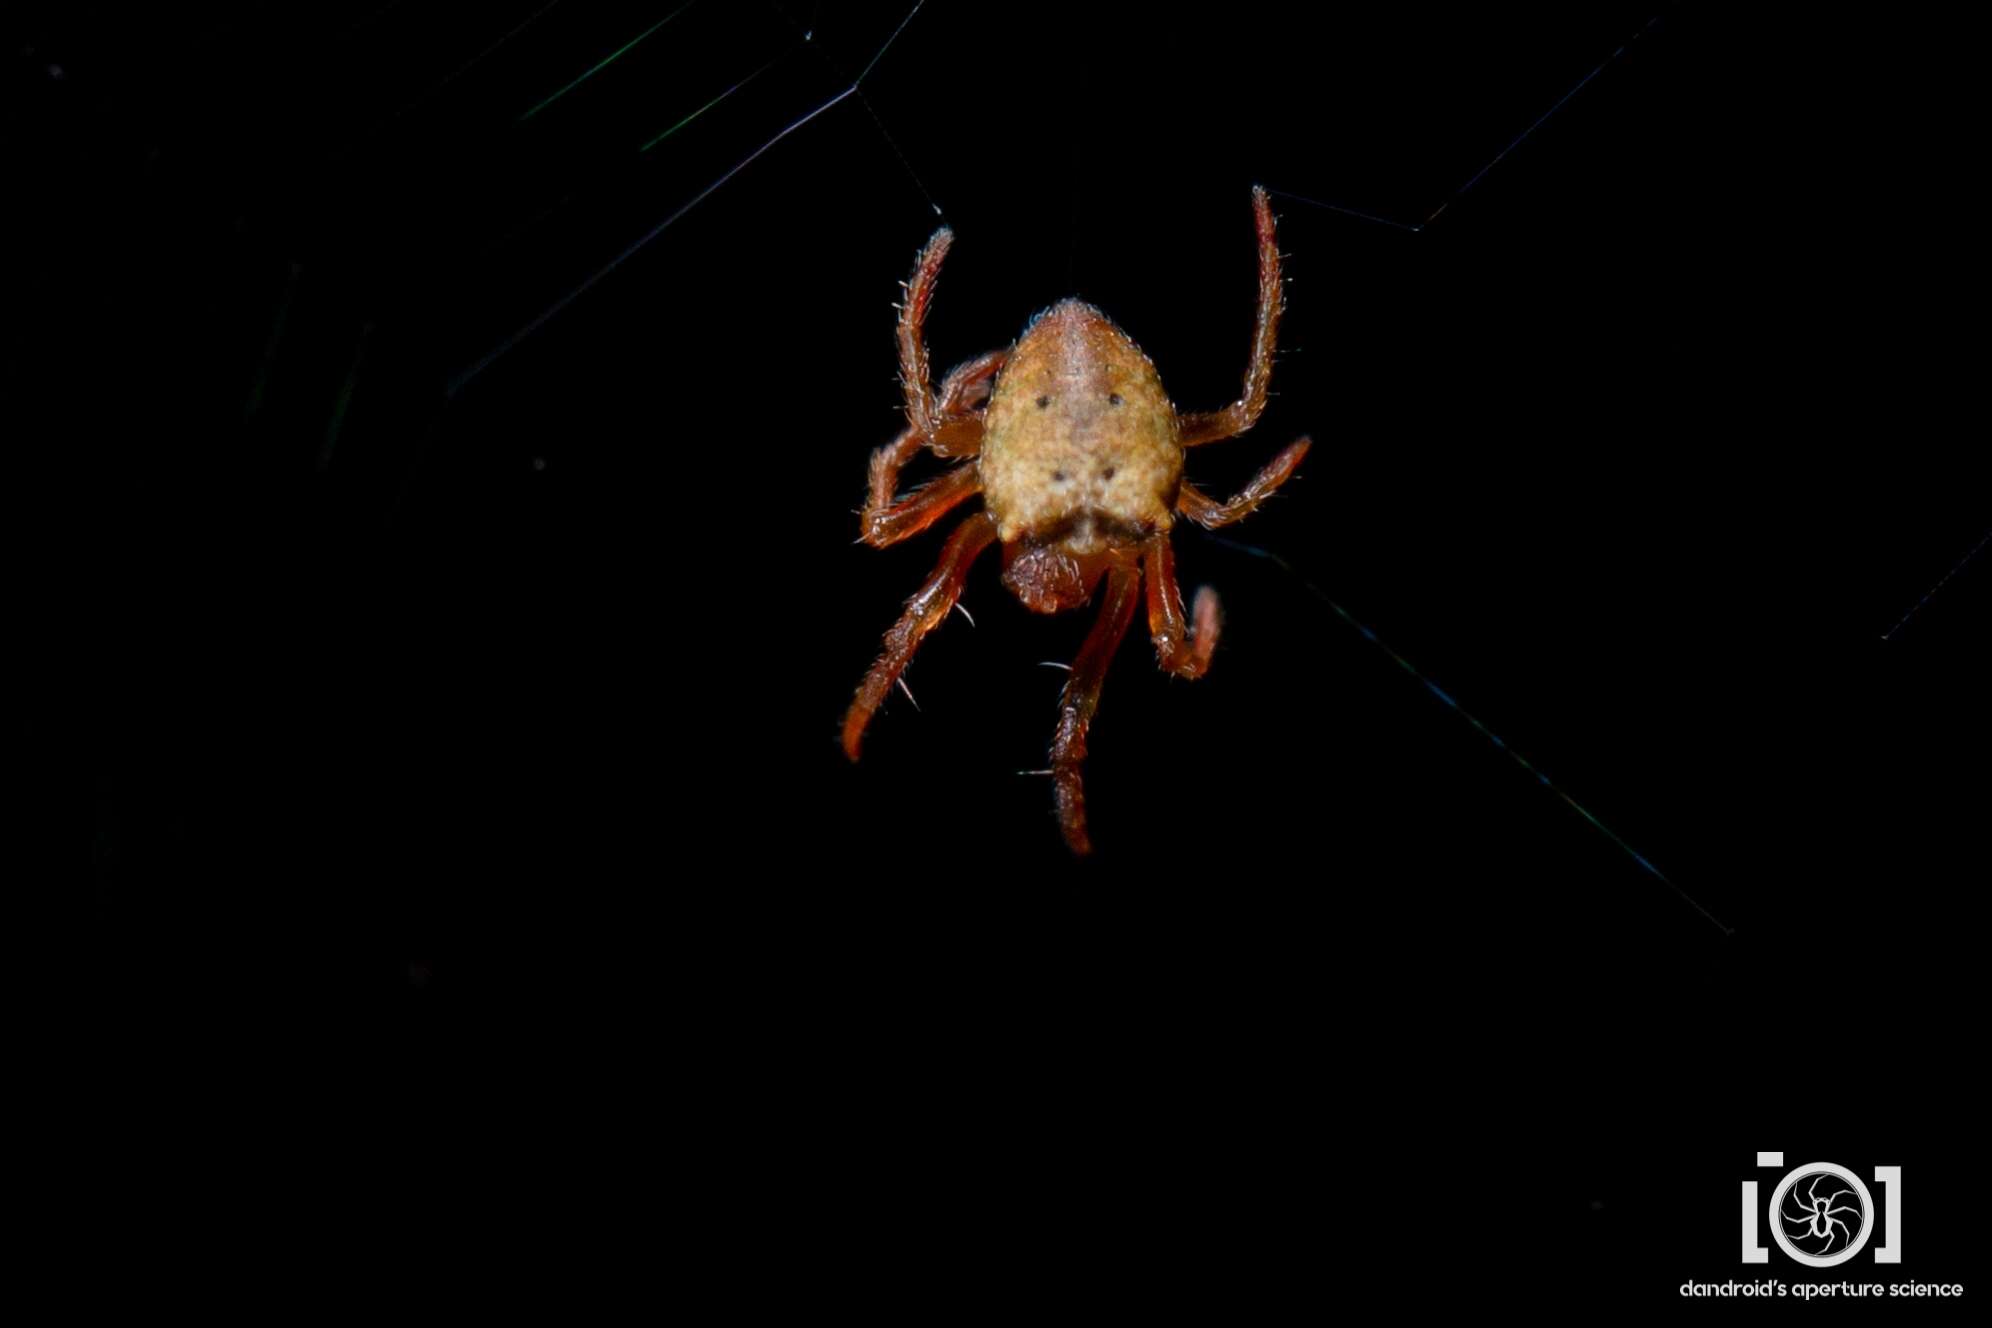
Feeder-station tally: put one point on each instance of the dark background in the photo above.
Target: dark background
(429, 699)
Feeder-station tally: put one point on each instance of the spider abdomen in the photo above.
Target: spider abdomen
(1080, 444)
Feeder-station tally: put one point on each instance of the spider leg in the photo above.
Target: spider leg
(1082, 699)
(1243, 413)
(1179, 649)
(924, 414)
(1193, 503)
(888, 518)
(959, 426)
(914, 375)
(924, 613)
(965, 391)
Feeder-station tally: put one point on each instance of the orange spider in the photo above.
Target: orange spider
(1078, 454)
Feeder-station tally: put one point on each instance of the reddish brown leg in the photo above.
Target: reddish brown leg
(923, 614)
(1178, 649)
(913, 373)
(1243, 413)
(1082, 698)
(963, 395)
(1209, 513)
(887, 521)
(889, 517)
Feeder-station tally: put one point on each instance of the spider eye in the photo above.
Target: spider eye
(1043, 402)
(1107, 474)
(1058, 477)
(1114, 400)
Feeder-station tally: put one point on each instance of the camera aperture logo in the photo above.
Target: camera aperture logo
(1822, 1215)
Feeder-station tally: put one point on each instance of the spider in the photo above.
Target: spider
(1818, 1217)
(1078, 455)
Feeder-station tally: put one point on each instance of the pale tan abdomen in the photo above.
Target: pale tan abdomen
(1079, 441)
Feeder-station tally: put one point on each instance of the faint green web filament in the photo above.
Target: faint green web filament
(608, 60)
(709, 105)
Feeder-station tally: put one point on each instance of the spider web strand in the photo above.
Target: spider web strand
(1931, 592)
(714, 102)
(1478, 727)
(1539, 121)
(873, 62)
(1496, 159)
(607, 60)
(458, 383)
(857, 86)
(463, 379)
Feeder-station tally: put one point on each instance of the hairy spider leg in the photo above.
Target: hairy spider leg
(907, 516)
(964, 393)
(913, 370)
(1243, 413)
(1082, 698)
(1207, 512)
(924, 613)
(926, 418)
(1179, 648)
(887, 517)
(958, 414)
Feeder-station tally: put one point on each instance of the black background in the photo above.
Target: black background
(453, 713)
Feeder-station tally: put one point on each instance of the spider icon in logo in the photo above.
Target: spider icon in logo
(1821, 1214)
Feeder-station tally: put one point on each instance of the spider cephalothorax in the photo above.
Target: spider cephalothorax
(1078, 454)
